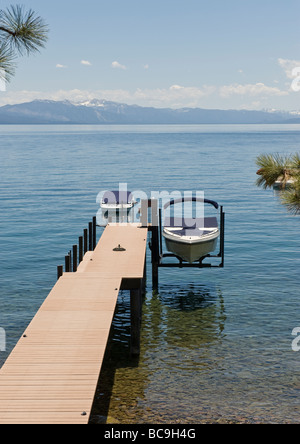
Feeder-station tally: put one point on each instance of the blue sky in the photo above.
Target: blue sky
(165, 53)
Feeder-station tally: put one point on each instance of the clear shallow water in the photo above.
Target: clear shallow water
(216, 344)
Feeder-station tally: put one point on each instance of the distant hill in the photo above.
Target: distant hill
(104, 112)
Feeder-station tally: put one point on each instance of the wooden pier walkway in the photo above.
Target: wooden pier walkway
(52, 374)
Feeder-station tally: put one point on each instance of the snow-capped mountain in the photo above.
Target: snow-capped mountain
(105, 112)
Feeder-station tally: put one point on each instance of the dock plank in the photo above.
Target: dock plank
(52, 373)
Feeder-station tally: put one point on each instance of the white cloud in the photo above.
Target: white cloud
(118, 65)
(59, 66)
(86, 63)
(146, 66)
(175, 96)
(239, 96)
(176, 88)
(257, 89)
(288, 66)
(187, 95)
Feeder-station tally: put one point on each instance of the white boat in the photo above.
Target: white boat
(117, 201)
(191, 239)
(281, 185)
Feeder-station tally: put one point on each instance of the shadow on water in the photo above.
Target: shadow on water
(191, 298)
(178, 321)
(117, 355)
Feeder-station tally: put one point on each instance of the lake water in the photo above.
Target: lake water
(216, 344)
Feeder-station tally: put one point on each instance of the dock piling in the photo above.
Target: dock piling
(67, 263)
(85, 235)
(80, 253)
(90, 236)
(136, 320)
(94, 232)
(75, 258)
(60, 271)
(155, 244)
(144, 213)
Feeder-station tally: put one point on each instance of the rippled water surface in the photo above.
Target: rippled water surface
(216, 344)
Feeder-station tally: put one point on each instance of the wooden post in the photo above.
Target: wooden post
(90, 236)
(67, 263)
(136, 320)
(60, 271)
(144, 213)
(155, 244)
(94, 232)
(80, 249)
(144, 280)
(74, 258)
(85, 235)
(155, 258)
(160, 232)
(222, 237)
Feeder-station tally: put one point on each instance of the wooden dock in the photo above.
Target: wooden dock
(52, 374)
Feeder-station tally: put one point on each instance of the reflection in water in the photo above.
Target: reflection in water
(185, 316)
(187, 299)
(189, 370)
(180, 326)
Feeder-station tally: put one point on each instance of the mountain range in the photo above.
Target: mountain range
(97, 112)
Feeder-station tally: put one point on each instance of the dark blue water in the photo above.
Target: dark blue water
(216, 344)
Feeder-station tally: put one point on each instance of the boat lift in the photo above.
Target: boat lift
(161, 259)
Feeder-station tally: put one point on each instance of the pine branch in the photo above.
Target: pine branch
(272, 168)
(290, 198)
(276, 167)
(23, 31)
(7, 63)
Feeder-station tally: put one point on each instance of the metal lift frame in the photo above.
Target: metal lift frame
(197, 264)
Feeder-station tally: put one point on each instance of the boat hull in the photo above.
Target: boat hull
(117, 208)
(279, 184)
(117, 201)
(192, 249)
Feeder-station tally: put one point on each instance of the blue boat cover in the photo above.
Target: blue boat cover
(191, 232)
(117, 197)
(191, 199)
(190, 223)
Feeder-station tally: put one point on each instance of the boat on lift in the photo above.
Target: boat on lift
(280, 184)
(191, 239)
(117, 201)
